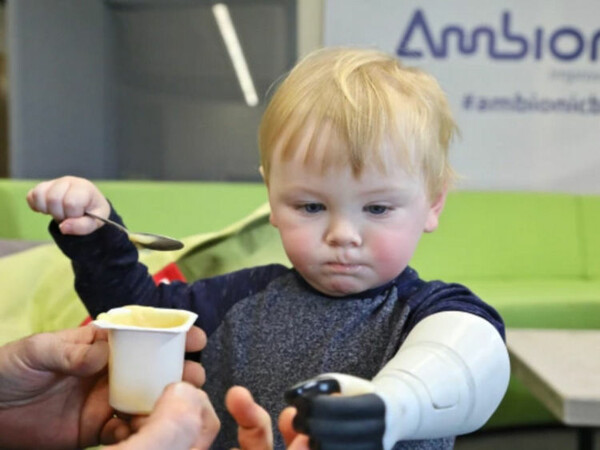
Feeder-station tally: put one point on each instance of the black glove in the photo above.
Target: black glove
(337, 422)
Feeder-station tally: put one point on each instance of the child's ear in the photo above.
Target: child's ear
(272, 220)
(435, 210)
(262, 174)
(261, 170)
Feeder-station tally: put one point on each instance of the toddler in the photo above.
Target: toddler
(354, 155)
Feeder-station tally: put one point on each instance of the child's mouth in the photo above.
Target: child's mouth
(343, 268)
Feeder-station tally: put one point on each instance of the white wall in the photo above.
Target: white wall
(310, 26)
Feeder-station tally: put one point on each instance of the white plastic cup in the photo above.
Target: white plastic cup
(147, 349)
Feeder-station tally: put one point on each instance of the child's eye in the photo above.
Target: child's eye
(313, 208)
(376, 209)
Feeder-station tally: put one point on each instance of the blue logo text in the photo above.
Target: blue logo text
(565, 43)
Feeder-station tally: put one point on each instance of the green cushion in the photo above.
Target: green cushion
(18, 221)
(37, 293)
(590, 215)
(489, 235)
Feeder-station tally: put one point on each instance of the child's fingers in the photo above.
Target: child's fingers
(285, 425)
(48, 197)
(78, 226)
(300, 442)
(67, 199)
(254, 423)
(36, 197)
(82, 196)
(77, 199)
(55, 195)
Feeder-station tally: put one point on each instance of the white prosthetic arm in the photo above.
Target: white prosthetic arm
(447, 379)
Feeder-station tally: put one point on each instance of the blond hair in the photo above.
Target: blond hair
(383, 112)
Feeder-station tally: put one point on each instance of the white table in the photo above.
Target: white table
(562, 369)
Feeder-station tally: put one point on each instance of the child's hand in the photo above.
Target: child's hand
(67, 199)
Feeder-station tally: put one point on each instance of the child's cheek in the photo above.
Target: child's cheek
(298, 246)
(391, 253)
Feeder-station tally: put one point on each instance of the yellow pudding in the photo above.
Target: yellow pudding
(145, 317)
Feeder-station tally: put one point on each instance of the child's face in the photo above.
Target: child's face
(344, 234)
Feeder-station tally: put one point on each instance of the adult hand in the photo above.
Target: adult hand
(54, 389)
(183, 418)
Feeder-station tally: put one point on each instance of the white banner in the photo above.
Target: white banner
(523, 78)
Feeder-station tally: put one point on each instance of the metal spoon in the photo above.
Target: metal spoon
(145, 240)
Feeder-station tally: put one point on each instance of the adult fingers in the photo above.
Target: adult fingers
(85, 350)
(72, 352)
(193, 373)
(115, 430)
(195, 340)
(182, 418)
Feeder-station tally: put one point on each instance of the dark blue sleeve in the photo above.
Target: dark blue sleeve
(436, 296)
(109, 275)
(215, 296)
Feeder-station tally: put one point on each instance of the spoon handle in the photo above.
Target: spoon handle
(108, 221)
(145, 240)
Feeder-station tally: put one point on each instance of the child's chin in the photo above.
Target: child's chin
(341, 288)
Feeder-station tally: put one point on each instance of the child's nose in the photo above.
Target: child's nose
(342, 232)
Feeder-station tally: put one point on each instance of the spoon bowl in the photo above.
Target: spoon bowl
(144, 240)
